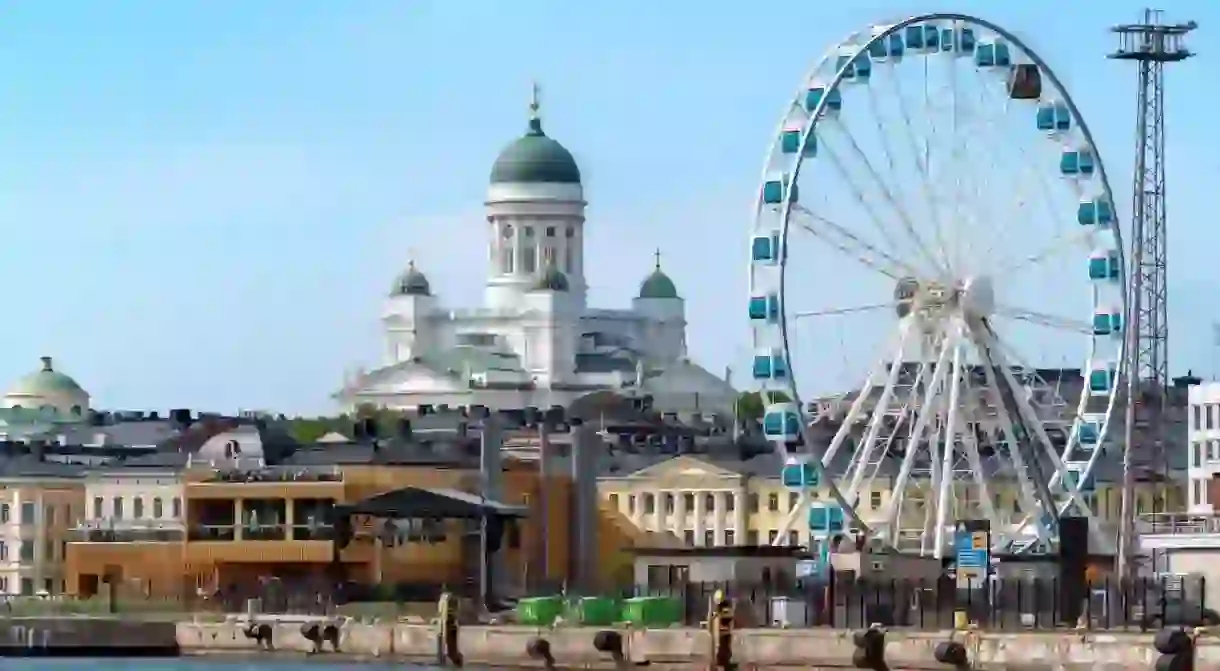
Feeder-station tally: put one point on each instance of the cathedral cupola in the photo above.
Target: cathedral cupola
(658, 284)
(411, 282)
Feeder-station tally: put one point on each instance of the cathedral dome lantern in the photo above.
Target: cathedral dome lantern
(411, 282)
(658, 285)
(535, 158)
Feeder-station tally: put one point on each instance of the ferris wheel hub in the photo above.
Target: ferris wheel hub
(972, 297)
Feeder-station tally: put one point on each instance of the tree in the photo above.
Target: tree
(751, 405)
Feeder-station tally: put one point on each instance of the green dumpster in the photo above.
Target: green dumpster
(539, 611)
(595, 611)
(652, 611)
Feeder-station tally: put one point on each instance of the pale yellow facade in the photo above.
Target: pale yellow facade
(704, 504)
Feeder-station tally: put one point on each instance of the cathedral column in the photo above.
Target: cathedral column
(740, 519)
(678, 523)
(658, 511)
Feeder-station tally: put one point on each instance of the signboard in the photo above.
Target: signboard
(972, 542)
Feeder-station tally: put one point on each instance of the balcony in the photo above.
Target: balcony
(259, 543)
(268, 482)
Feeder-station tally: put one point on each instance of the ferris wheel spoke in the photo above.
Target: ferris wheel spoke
(899, 208)
(1044, 319)
(970, 438)
(843, 240)
(844, 311)
(1062, 244)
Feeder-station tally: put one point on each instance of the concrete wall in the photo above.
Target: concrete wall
(816, 648)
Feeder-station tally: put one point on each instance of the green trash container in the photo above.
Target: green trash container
(652, 611)
(595, 611)
(539, 611)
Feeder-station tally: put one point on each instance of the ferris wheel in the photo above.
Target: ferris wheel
(934, 176)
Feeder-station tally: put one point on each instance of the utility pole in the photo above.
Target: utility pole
(1151, 44)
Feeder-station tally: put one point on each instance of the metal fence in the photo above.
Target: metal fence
(1017, 604)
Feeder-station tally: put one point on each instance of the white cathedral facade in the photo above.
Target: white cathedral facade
(535, 342)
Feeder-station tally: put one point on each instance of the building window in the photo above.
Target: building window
(709, 539)
(730, 537)
(529, 260)
(650, 504)
(6, 513)
(1196, 417)
(730, 504)
(773, 503)
(771, 536)
(27, 587)
(27, 551)
(688, 501)
(3, 551)
(529, 231)
(48, 550)
(709, 502)
(28, 512)
(631, 504)
(137, 507)
(177, 507)
(793, 499)
(874, 500)
(688, 537)
(48, 515)
(669, 504)
(794, 538)
(97, 507)
(117, 505)
(506, 261)
(570, 233)
(1196, 455)
(752, 501)
(507, 232)
(752, 538)
(614, 501)
(550, 231)
(158, 508)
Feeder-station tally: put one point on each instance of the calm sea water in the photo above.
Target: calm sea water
(198, 664)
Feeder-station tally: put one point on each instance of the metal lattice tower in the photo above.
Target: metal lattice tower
(1151, 44)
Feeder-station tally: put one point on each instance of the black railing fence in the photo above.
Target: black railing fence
(1006, 603)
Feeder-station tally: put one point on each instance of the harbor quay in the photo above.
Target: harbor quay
(680, 647)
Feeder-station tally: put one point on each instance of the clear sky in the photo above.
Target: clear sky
(205, 201)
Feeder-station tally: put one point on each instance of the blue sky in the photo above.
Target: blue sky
(205, 201)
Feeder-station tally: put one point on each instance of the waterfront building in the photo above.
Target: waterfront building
(535, 341)
(40, 503)
(1203, 444)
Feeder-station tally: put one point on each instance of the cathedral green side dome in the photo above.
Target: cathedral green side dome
(535, 158)
(658, 285)
(411, 283)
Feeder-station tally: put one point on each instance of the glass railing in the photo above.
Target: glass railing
(277, 474)
(261, 532)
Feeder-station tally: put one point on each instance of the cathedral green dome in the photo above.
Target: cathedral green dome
(411, 283)
(658, 284)
(535, 158)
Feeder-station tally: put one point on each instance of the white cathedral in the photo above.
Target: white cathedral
(535, 342)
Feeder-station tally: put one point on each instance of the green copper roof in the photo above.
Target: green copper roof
(658, 284)
(535, 158)
(411, 283)
(46, 381)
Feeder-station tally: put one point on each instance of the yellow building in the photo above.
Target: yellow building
(707, 501)
(40, 503)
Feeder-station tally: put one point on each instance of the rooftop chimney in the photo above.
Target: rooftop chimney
(46, 363)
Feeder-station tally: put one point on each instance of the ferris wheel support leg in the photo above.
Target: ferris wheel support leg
(1028, 497)
(894, 510)
(879, 413)
(998, 532)
(946, 467)
(1031, 418)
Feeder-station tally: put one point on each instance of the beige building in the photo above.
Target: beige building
(37, 514)
(711, 500)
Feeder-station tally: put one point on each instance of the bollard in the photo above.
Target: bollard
(870, 649)
(540, 649)
(952, 653)
(720, 626)
(312, 632)
(261, 634)
(1176, 648)
(447, 634)
(611, 643)
(331, 633)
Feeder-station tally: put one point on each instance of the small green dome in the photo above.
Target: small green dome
(46, 381)
(411, 283)
(552, 280)
(658, 284)
(535, 158)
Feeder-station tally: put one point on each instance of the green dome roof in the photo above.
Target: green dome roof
(46, 381)
(552, 280)
(535, 158)
(658, 284)
(411, 283)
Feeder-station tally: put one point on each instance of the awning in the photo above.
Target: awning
(417, 502)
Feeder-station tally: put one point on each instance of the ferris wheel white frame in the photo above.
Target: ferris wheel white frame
(850, 51)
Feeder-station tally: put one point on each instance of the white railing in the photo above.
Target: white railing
(1178, 523)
